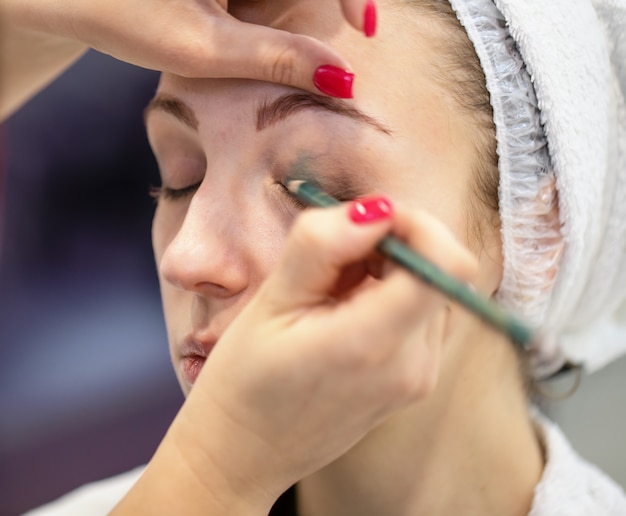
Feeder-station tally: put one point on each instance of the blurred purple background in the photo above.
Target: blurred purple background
(86, 387)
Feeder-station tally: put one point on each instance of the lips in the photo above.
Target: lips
(194, 353)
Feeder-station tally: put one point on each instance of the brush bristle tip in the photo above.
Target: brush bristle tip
(293, 185)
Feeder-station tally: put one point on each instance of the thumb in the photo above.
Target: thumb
(321, 244)
(253, 51)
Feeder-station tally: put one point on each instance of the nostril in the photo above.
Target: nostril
(215, 290)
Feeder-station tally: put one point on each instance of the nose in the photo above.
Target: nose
(206, 254)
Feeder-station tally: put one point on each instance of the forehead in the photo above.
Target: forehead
(394, 75)
(392, 79)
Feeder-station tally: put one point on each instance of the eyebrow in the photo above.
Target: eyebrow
(271, 112)
(173, 106)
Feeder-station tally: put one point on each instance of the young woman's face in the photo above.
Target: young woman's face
(224, 146)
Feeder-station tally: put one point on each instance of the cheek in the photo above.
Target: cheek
(165, 225)
(164, 229)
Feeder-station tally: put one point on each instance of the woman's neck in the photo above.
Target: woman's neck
(469, 449)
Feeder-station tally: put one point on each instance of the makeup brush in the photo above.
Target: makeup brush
(397, 251)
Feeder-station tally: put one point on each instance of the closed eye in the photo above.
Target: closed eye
(173, 194)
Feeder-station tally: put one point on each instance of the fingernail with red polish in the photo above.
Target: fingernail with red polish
(369, 19)
(334, 81)
(370, 209)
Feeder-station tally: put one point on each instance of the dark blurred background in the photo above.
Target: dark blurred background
(86, 387)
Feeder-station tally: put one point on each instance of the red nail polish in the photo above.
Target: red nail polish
(370, 209)
(369, 19)
(334, 81)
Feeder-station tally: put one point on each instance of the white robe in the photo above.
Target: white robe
(570, 486)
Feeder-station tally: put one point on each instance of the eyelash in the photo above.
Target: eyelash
(293, 200)
(172, 194)
(345, 196)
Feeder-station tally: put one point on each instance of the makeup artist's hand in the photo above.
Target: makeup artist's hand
(321, 355)
(194, 38)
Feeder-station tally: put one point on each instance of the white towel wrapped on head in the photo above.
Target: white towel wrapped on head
(567, 276)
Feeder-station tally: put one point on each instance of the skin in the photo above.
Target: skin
(40, 39)
(384, 399)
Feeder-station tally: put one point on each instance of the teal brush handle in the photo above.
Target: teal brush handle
(397, 251)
